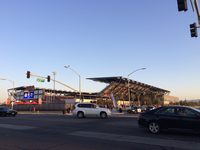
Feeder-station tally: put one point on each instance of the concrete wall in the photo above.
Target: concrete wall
(42, 107)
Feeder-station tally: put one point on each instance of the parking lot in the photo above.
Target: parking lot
(55, 131)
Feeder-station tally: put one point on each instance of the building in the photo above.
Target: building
(119, 91)
(168, 99)
(27, 97)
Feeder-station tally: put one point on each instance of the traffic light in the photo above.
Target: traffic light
(28, 74)
(48, 78)
(193, 30)
(182, 5)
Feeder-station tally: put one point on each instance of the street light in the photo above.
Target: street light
(129, 96)
(79, 76)
(13, 84)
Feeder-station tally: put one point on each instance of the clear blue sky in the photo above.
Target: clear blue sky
(99, 38)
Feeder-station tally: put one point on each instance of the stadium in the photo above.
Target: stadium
(119, 91)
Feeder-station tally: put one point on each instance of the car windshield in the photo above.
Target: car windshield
(155, 110)
(198, 110)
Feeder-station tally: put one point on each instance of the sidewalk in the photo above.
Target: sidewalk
(124, 114)
(41, 112)
(114, 113)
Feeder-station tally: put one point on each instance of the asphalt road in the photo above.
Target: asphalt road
(62, 132)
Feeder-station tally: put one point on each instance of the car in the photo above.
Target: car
(89, 109)
(134, 110)
(148, 108)
(143, 108)
(5, 111)
(170, 117)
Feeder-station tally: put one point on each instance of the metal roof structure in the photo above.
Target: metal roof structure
(119, 87)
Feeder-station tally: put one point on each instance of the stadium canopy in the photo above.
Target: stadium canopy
(118, 86)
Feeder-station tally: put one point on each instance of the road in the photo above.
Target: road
(62, 132)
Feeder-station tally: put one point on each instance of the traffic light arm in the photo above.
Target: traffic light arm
(37, 76)
(65, 85)
(196, 4)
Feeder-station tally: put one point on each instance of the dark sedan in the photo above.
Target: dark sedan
(5, 111)
(177, 117)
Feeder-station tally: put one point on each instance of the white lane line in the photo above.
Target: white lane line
(16, 127)
(140, 140)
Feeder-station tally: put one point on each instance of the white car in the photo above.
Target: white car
(88, 109)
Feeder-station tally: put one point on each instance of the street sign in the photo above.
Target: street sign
(40, 80)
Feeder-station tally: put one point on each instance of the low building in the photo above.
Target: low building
(31, 97)
(168, 99)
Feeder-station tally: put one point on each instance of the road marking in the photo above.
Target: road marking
(16, 127)
(140, 140)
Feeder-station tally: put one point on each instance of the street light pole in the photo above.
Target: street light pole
(79, 76)
(13, 85)
(129, 94)
(54, 84)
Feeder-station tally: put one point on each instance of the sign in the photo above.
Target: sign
(40, 80)
(29, 95)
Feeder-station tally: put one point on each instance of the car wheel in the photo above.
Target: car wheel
(154, 127)
(103, 115)
(80, 114)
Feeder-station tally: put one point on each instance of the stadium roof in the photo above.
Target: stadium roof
(119, 86)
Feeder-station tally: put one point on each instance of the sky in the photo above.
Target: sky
(99, 38)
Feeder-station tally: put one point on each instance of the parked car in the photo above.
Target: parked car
(5, 111)
(148, 108)
(134, 110)
(177, 117)
(89, 109)
(143, 108)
